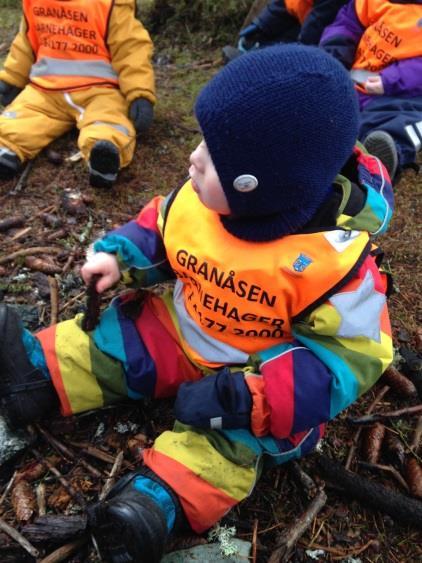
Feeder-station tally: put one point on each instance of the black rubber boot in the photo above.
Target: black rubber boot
(25, 394)
(10, 164)
(381, 144)
(104, 164)
(128, 526)
(230, 53)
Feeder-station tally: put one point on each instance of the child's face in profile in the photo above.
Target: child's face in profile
(205, 180)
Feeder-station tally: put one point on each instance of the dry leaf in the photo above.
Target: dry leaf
(59, 499)
(23, 501)
(372, 442)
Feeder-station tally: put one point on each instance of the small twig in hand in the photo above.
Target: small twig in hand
(358, 432)
(54, 299)
(23, 542)
(369, 419)
(112, 475)
(92, 315)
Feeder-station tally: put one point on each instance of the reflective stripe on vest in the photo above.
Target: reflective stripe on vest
(299, 8)
(244, 295)
(391, 33)
(69, 43)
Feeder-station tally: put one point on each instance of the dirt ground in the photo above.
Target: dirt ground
(59, 211)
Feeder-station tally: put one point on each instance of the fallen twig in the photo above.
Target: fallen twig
(29, 251)
(64, 552)
(254, 539)
(69, 488)
(40, 492)
(112, 476)
(62, 449)
(358, 432)
(289, 537)
(54, 299)
(388, 469)
(21, 183)
(369, 493)
(371, 418)
(8, 487)
(18, 538)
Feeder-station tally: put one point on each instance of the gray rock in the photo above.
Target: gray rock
(210, 553)
(11, 441)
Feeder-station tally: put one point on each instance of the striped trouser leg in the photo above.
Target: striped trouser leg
(212, 471)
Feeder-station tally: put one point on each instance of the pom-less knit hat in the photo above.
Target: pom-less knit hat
(279, 124)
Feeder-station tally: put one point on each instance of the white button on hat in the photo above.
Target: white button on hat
(245, 183)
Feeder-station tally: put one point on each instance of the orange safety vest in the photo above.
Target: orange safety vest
(69, 42)
(391, 33)
(246, 294)
(299, 8)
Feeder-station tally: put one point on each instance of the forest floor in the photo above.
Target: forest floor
(61, 212)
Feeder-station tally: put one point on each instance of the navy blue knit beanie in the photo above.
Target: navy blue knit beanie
(279, 124)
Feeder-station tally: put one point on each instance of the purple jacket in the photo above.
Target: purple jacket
(341, 38)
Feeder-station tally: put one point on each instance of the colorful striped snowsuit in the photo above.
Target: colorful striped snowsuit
(148, 345)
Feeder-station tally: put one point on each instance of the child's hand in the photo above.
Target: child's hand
(106, 266)
(374, 85)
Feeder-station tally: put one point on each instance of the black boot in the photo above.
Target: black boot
(25, 394)
(104, 164)
(10, 164)
(381, 144)
(128, 526)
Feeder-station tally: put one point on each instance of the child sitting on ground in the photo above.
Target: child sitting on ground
(80, 62)
(285, 21)
(278, 317)
(381, 42)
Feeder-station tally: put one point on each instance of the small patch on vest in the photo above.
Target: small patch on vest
(9, 114)
(301, 263)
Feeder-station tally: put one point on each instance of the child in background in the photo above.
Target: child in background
(276, 323)
(285, 21)
(380, 41)
(80, 62)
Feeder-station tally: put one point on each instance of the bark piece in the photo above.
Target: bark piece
(398, 506)
(55, 528)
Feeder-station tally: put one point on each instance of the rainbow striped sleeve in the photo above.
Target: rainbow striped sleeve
(139, 248)
(339, 352)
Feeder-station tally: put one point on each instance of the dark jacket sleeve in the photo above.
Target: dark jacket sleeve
(341, 38)
(322, 14)
(274, 19)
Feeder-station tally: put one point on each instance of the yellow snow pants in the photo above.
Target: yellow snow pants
(37, 117)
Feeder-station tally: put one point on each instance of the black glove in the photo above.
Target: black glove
(8, 93)
(217, 401)
(141, 112)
